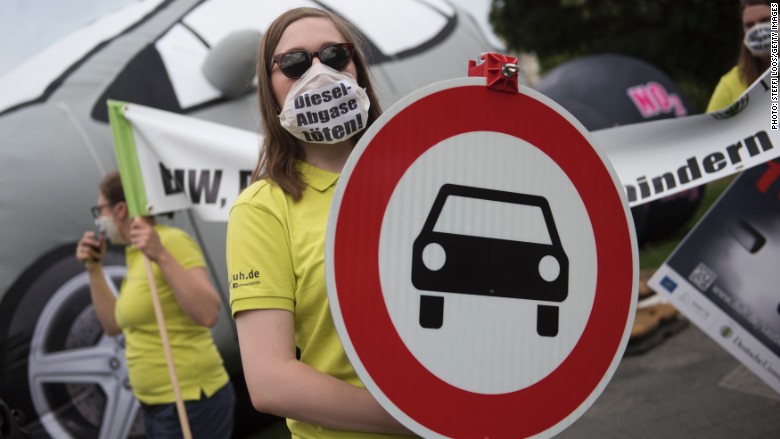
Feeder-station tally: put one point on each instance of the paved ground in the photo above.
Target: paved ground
(687, 387)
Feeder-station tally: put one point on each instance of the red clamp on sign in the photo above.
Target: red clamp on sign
(500, 70)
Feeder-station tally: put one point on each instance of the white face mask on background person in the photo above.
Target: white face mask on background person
(325, 106)
(107, 225)
(758, 39)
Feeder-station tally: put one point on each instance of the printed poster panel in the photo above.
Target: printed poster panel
(725, 275)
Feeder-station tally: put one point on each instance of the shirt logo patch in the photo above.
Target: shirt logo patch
(242, 279)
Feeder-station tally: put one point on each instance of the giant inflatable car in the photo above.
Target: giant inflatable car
(186, 56)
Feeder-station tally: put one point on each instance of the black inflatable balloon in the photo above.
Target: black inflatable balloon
(608, 90)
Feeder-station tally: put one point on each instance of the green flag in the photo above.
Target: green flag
(170, 162)
(127, 157)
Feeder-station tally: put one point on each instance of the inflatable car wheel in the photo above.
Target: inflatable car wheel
(56, 363)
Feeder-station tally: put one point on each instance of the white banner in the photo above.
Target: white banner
(188, 162)
(660, 158)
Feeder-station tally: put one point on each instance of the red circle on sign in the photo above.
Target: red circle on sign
(415, 391)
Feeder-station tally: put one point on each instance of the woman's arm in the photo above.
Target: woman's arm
(90, 251)
(281, 385)
(192, 288)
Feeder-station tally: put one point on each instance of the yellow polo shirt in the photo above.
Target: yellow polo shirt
(729, 88)
(276, 260)
(198, 364)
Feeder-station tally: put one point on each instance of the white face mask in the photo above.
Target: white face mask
(757, 39)
(325, 106)
(107, 225)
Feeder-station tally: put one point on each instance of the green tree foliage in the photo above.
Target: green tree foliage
(694, 41)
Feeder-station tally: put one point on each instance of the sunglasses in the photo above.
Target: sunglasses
(296, 62)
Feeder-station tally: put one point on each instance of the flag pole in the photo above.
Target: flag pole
(135, 196)
(183, 420)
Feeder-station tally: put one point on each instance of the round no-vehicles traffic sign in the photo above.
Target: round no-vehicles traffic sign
(481, 263)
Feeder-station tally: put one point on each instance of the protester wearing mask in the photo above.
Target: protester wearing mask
(190, 307)
(316, 100)
(753, 55)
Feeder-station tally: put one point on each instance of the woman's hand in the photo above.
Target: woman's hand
(90, 250)
(191, 287)
(145, 238)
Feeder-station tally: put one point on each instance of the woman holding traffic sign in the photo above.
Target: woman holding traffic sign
(316, 100)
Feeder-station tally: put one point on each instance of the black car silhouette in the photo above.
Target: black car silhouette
(490, 243)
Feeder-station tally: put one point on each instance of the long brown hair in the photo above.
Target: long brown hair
(749, 66)
(280, 150)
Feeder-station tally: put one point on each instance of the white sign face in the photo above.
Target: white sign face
(481, 263)
(487, 344)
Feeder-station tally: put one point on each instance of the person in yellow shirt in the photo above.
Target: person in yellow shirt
(190, 306)
(753, 55)
(316, 99)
